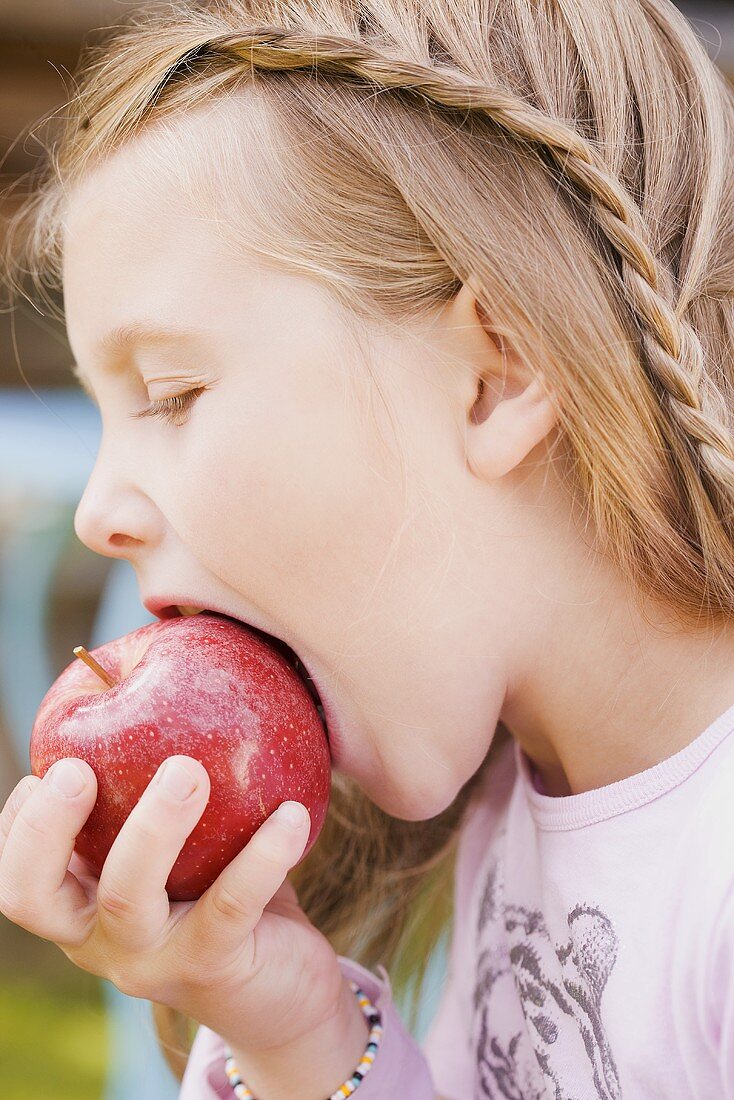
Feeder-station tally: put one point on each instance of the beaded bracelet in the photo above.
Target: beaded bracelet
(373, 1017)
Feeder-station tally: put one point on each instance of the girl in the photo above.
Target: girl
(411, 328)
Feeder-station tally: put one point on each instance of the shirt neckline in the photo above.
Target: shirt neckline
(574, 811)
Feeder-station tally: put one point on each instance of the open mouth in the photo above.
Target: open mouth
(278, 644)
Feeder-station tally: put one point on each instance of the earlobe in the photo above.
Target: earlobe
(512, 429)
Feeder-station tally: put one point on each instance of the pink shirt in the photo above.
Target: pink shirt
(593, 946)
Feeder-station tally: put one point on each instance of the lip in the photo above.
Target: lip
(334, 736)
(165, 607)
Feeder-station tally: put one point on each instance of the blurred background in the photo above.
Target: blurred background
(64, 1033)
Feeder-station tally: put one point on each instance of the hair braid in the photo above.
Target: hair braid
(672, 349)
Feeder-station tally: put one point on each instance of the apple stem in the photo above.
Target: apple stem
(84, 655)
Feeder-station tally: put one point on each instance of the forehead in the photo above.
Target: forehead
(177, 167)
(132, 205)
(134, 245)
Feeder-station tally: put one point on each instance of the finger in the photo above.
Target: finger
(232, 906)
(16, 798)
(37, 891)
(133, 905)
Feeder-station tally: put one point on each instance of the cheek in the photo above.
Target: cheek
(289, 504)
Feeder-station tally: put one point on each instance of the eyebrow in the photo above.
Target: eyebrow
(142, 332)
(133, 333)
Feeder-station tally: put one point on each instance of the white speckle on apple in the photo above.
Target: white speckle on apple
(242, 758)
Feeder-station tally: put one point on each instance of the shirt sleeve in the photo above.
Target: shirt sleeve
(399, 1072)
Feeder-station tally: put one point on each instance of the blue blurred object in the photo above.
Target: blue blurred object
(49, 441)
(48, 444)
(29, 555)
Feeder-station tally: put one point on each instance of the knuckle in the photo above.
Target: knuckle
(229, 905)
(36, 825)
(145, 824)
(153, 822)
(15, 800)
(270, 855)
(113, 903)
(139, 830)
(25, 787)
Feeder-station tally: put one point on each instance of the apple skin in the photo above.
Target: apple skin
(204, 686)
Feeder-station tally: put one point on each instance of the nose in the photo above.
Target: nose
(115, 517)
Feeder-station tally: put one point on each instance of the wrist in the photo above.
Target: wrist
(317, 1064)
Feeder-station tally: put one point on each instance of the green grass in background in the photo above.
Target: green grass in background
(53, 1041)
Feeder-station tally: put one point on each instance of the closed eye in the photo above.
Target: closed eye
(174, 410)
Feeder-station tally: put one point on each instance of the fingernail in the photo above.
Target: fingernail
(67, 779)
(177, 780)
(292, 814)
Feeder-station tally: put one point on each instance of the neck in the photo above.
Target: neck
(611, 688)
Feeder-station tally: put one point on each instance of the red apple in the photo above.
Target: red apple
(204, 686)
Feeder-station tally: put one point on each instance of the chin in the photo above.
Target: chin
(411, 806)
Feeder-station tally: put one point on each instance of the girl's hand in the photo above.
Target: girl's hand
(243, 959)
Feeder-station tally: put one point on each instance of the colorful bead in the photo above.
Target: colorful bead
(373, 1017)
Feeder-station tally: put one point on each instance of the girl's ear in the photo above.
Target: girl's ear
(507, 409)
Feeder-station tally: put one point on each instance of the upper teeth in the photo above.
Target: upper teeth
(186, 610)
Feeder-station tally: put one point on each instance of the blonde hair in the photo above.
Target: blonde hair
(574, 161)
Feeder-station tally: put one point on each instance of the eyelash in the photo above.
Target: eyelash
(174, 410)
